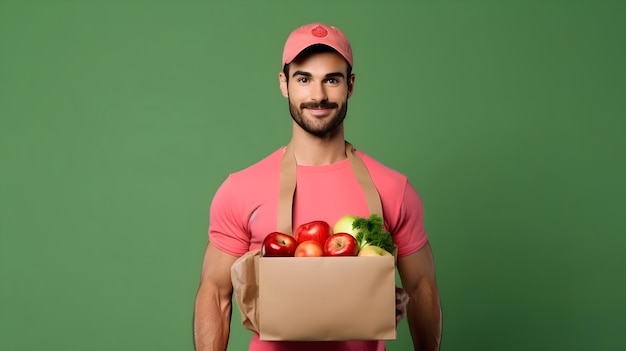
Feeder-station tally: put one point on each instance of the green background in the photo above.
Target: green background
(119, 120)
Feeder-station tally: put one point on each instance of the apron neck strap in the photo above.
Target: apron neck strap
(288, 187)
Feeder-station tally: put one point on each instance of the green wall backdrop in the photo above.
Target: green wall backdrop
(119, 120)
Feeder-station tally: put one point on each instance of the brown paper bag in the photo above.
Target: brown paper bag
(327, 298)
(245, 277)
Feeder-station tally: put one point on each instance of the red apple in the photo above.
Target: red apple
(341, 244)
(315, 230)
(278, 244)
(309, 248)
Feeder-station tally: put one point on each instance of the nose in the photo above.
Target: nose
(318, 92)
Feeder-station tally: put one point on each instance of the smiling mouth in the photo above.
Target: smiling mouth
(320, 112)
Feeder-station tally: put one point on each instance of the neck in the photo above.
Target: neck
(310, 150)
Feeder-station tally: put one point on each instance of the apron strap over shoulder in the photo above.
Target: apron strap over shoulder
(287, 191)
(365, 180)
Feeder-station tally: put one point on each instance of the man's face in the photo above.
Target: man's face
(318, 92)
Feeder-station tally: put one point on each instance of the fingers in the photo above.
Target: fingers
(402, 299)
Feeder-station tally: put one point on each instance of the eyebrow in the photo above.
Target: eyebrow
(328, 75)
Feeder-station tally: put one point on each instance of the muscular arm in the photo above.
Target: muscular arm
(213, 305)
(417, 272)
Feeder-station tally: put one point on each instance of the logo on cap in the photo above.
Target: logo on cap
(319, 32)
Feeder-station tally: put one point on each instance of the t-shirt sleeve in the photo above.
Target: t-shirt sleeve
(409, 233)
(227, 224)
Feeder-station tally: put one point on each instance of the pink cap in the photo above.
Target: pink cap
(316, 33)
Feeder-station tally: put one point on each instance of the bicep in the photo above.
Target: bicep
(216, 269)
(417, 269)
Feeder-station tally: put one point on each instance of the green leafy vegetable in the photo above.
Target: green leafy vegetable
(371, 231)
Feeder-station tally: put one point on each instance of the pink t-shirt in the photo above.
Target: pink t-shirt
(244, 211)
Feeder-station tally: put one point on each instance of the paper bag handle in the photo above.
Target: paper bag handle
(288, 187)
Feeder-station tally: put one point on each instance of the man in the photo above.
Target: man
(317, 80)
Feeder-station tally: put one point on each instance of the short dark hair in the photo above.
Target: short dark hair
(313, 49)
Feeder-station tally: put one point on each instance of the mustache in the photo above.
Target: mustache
(323, 105)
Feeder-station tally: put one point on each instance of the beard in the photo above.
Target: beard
(319, 127)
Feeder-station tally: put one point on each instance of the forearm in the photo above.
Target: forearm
(424, 317)
(211, 320)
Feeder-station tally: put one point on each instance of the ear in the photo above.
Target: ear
(351, 84)
(282, 80)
